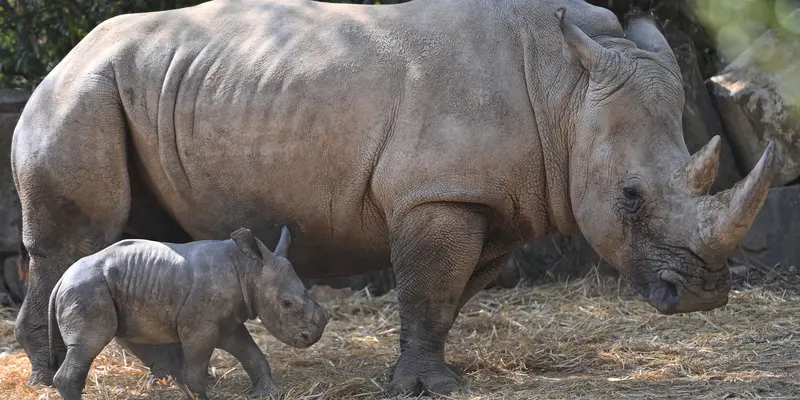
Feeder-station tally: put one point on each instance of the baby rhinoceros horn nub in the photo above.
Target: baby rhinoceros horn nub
(729, 214)
(698, 173)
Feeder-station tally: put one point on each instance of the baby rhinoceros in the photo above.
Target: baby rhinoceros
(197, 294)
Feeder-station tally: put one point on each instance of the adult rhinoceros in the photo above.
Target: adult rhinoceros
(434, 135)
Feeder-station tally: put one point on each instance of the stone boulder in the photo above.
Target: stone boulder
(11, 104)
(774, 236)
(758, 98)
(701, 122)
(559, 257)
(12, 288)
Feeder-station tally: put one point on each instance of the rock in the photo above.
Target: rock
(5, 301)
(701, 121)
(11, 104)
(378, 282)
(758, 98)
(10, 282)
(773, 237)
(558, 258)
(509, 277)
(739, 270)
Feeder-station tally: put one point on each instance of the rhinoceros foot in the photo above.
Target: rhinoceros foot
(41, 376)
(411, 376)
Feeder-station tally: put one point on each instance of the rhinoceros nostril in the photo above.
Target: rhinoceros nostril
(305, 336)
(664, 296)
(671, 297)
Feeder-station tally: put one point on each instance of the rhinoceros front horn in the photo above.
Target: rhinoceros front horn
(729, 214)
(697, 175)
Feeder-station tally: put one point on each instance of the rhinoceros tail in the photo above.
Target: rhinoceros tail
(54, 332)
(23, 264)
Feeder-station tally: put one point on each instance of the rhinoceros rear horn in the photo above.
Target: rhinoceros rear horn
(699, 172)
(641, 28)
(581, 50)
(731, 212)
(282, 249)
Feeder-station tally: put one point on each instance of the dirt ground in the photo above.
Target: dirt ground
(579, 340)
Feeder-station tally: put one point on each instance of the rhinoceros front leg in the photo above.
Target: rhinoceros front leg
(480, 278)
(435, 248)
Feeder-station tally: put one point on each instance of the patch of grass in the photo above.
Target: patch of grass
(582, 339)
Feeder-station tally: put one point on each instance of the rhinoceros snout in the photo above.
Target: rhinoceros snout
(665, 296)
(306, 338)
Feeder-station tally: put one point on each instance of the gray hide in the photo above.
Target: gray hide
(432, 136)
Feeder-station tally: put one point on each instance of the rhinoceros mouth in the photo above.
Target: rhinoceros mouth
(670, 296)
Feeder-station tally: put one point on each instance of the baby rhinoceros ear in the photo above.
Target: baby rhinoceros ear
(248, 243)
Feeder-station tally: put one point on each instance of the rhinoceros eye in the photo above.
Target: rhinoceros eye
(630, 193)
(631, 200)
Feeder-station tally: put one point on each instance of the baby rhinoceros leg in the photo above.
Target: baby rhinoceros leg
(242, 347)
(87, 322)
(162, 359)
(198, 340)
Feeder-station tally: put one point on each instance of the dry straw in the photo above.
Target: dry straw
(584, 339)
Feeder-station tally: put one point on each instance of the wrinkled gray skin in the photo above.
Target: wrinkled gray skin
(187, 298)
(431, 136)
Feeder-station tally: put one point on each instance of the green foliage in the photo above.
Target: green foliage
(37, 34)
(737, 24)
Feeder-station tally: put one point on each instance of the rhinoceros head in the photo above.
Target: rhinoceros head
(637, 195)
(280, 298)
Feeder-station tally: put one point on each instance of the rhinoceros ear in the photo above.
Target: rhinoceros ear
(581, 50)
(247, 243)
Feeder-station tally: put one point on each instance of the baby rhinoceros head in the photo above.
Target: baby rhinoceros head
(279, 297)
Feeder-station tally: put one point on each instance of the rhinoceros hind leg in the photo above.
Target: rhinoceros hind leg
(435, 248)
(69, 161)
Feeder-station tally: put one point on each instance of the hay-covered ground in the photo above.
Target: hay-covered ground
(583, 339)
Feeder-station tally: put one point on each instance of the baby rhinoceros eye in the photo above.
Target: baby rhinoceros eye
(286, 303)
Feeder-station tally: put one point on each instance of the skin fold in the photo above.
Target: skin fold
(432, 136)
